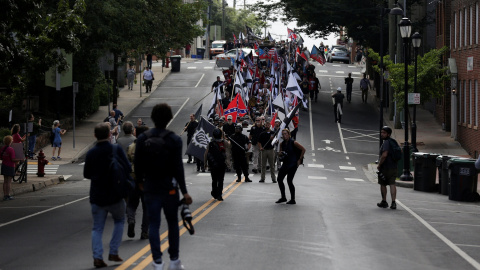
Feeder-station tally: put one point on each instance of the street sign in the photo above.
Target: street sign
(413, 98)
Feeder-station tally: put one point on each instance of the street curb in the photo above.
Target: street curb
(36, 186)
(370, 173)
(90, 146)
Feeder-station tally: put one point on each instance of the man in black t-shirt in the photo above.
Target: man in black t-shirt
(387, 169)
(266, 150)
(216, 83)
(349, 83)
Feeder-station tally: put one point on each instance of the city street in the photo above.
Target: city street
(335, 224)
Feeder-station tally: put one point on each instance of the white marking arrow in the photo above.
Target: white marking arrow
(327, 141)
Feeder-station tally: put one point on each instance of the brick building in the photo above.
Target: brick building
(458, 27)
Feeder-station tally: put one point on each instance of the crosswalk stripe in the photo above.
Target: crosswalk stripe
(354, 179)
(191, 67)
(317, 177)
(207, 67)
(315, 166)
(324, 71)
(356, 73)
(341, 72)
(203, 174)
(347, 168)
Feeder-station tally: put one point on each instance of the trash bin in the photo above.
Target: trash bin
(441, 163)
(425, 171)
(200, 53)
(175, 59)
(463, 179)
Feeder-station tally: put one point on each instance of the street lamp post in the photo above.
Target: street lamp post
(416, 41)
(405, 30)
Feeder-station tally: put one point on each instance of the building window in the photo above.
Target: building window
(460, 107)
(476, 103)
(476, 23)
(471, 25)
(460, 29)
(464, 101)
(465, 43)
(470, 94)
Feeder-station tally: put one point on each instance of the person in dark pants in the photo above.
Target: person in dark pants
(190, 127)
(387, 168)
(338, 101)
(349, 83)
(215, 157)
(290, 163)
(149, 60)
(137, 195)
(158, 163)
(240, 146)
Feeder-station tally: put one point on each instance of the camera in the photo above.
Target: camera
(282, 156)
(186, 217)
(381, 176)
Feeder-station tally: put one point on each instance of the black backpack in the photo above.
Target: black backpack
(120, 177)
(215, 157)
(396, 150)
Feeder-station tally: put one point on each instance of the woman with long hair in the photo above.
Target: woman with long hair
(7, 155)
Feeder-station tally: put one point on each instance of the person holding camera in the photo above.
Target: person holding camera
(291, 155)
(387, 169)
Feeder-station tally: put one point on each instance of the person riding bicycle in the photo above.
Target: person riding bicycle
(338, 101)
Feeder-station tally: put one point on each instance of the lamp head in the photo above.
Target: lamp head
(416, 40)
(405, 27)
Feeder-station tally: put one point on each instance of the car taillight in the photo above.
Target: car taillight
(333, 54)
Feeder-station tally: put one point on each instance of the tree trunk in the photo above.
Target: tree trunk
(115, 77)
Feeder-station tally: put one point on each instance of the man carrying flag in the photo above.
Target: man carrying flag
(318, 55)
(200, 139)
(294, 88)
(236, 108)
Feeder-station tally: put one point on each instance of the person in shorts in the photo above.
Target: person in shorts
(387, 169)
(57, 141)
(7, 155)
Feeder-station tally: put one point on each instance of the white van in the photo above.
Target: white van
(217, 47)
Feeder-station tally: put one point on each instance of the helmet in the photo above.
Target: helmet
(387, 129)
(339, 89)
(217, 134)
(238, 127)
(245, 123)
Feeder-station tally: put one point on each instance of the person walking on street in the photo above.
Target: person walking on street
(313, 86)
(137, 195)
(130, 77)
(32, 138)
(289, 149)
(229, 129)
(57, 141)
(7, 155)
(215, 157)
(148, 78)
(190, 127)
(364, 86)
(338, 105)
(240, 147)
(254, 134)
(266, 150)
(216, 84)
(102, 199)
(128, 138)
(387, 169)
(149, 60)
(159, 169)
(349, 83)
(118, 114)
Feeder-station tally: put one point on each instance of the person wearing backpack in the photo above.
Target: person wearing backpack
(364, 85)
(159, 169)
(103, 198)
(387, 168)
(215, 156)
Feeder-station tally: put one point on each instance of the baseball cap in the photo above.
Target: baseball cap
(229, 117)
(339, 89)
(278, 120)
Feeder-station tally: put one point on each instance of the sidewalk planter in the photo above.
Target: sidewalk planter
(175, 60)
(425, 171)
(463, 179)
(441, 163)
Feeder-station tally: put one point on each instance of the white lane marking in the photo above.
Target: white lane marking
(311, 124)
(178, 111)
(203, 174)
(207, 67)
(354, 179)
(349, 163)
(449, 243)
(200, 80)
(314, 160)
(356, 73)
(333, 76)
(347, 158)
(212, 62)
(317, 177)
(82, 164)
(327, 141)
(340, 72)
(341, 138)
(313, 154)
(315, 166)
(335, 65)
(352, 66)
(347, 168)
(449, 211)
(183, 62)
(41, 212)
(191, 67)
(456, 224)
(323, 71)
(363, 154)
(198, 62)
(465, 245)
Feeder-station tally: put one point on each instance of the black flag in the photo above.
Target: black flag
(198, 113)
(200, 139)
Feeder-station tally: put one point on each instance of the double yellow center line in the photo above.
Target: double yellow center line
(197, 216)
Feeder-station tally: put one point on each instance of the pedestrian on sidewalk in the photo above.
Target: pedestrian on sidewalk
(149, 60)
(215, 157)
(102, 199)
(387, 169)
(57, 140)
(16, 134)
(364, 86)
(32, 138)
(160, 167)
(128, 138)
(291, 159)
(148, 78)
(349, 83)
(187, 50)
(7, 155)
(137, 195)
(131, 77)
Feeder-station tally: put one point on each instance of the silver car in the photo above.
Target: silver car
(339, 54)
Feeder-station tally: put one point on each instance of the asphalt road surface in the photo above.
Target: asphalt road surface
(334, 225)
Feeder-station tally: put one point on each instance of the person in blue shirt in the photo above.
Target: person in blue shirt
(57, 141)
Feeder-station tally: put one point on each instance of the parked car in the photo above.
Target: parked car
(339, 54)
(233, 53)
(217, 48)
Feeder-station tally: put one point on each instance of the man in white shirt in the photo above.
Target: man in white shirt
(148, 78)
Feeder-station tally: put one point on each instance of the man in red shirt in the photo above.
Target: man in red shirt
(187, 50)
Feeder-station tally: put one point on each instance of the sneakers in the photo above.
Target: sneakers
(247, 180)
(281, 200)
(7, 198)
(240, 180)
(144, 235)
(383, 204)
(157, 266)
(131, 230)
(59, 158)
(254, 170)
(53, 158)
(274, 181)
(219, 198)
(262, 181)
(176, 265)
(393, 205)
(292, 202)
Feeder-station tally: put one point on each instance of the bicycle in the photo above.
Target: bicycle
(22, 168)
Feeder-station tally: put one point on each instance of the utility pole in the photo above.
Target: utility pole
(223, 19)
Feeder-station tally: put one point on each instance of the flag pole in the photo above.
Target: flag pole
(202, 98)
